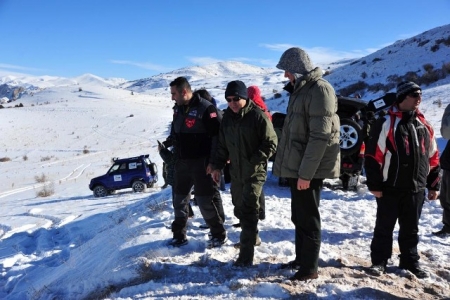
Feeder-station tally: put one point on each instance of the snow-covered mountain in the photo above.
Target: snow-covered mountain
(425, 53)
(429, 50)
(231, 69)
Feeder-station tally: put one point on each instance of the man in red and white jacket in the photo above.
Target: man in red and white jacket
(401, 162)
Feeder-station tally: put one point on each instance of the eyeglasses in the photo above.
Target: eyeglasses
(235, 99)
(415, 95)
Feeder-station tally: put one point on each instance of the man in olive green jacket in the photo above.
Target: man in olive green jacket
(308, 152)
(247, 139)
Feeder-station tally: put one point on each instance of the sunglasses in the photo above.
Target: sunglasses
(235, 99)
(415, 95)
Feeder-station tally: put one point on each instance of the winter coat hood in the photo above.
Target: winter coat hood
(254, 93)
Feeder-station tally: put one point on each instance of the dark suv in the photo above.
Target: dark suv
(356, 117)
(137, 173)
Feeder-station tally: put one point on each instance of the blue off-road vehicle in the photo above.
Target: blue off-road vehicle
(138, 173)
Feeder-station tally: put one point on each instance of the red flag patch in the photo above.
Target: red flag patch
(189, 122)
(213, 115)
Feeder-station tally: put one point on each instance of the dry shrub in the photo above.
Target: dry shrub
(3, 159)
(47, 190)
(41, 178)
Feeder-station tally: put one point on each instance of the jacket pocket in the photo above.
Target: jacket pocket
(296, 154)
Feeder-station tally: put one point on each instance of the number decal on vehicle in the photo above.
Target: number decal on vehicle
(379, 103)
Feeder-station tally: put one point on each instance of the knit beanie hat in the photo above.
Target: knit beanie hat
(295, 60)
(236, 88)
(404, 88)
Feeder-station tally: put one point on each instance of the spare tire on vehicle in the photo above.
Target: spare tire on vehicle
(153, 169)
(351, 137)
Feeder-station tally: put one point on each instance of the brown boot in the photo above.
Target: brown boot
(257, 243)
(304, 277)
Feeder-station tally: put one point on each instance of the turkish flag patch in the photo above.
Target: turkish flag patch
(189, 122)
(213, 115)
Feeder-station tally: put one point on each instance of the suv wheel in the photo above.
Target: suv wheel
(351, 137)
(100, 191)
(138, 186)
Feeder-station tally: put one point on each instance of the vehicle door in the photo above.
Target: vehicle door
(135, 170)
(115, 179)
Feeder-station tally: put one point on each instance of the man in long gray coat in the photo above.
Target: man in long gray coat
(308, 152)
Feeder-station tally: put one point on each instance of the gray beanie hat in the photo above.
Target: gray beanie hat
(404, 88)
(295, 60)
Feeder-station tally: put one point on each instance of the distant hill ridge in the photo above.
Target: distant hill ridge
(424, 53)
(428, 50)
(228, 69)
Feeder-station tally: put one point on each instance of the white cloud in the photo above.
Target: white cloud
(12, 73)
(145, 65)
(15, 70)
(277, 47)
(15, 67)
(203, 60)
(322, 55)
(254, 61)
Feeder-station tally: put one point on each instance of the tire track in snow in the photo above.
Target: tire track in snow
(71, 176)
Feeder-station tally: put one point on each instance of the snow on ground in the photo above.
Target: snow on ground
(71, 245)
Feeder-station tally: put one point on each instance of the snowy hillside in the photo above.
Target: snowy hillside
(72, 245)
(212, 71)
(410, 55)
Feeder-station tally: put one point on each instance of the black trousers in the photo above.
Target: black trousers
(444, 198)
(306, 217)
(164, 173)
(188, 173)
(406, 207)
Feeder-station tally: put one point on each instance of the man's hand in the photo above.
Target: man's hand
(432, 195)
(209, 169)
(216, 174)
(377, 194)
(303, 184)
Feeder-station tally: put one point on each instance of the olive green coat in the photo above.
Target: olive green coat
(248, 139)
(309, 143)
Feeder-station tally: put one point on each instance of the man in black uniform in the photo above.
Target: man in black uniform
(195, 130)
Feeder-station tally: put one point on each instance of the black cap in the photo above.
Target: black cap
(236, 88)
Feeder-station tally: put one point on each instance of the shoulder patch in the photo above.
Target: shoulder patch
(213, 115)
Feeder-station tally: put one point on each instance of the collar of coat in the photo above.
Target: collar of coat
(405, 115)
(313, 75)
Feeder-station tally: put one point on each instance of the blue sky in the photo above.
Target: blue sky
(139, 38)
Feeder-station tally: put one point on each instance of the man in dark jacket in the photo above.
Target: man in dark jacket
(248, 139)
(168, 167)
(444, 196)
(194, 131)
(401, 161)
(308, 152)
